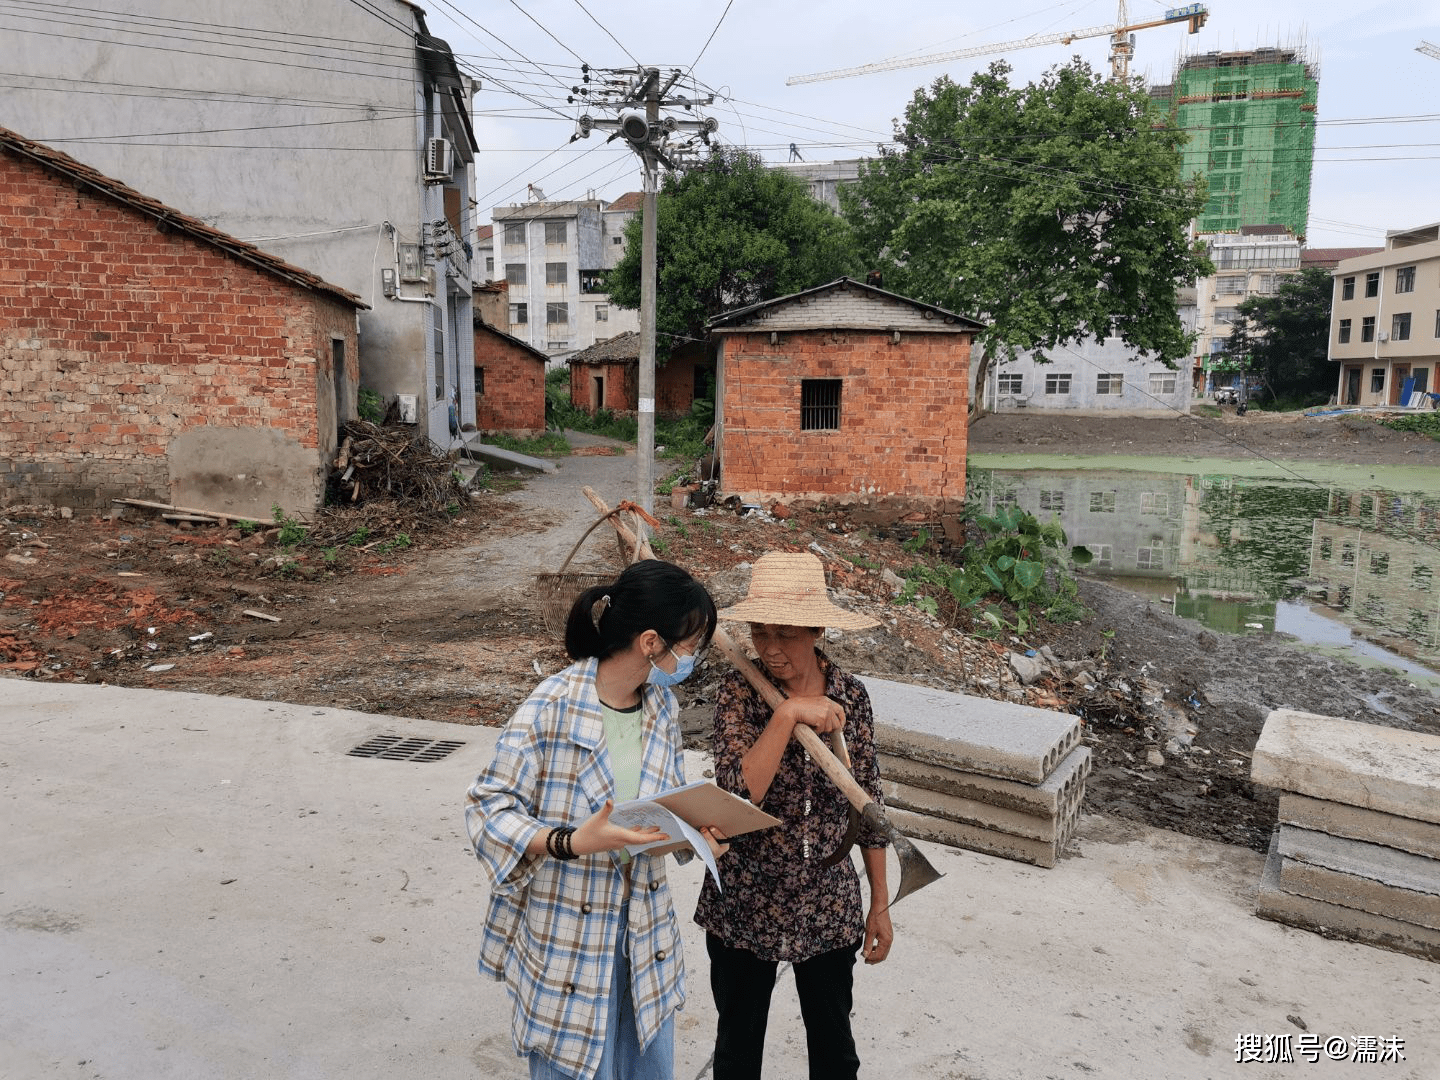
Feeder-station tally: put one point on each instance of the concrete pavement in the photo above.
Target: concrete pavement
(212, 888)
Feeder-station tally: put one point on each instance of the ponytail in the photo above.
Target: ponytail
(648, 595)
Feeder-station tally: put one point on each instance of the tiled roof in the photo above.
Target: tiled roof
(622, 347)
(536, 354)
(1327, 257)
(740, 315)
(84, 176)
(631, 200)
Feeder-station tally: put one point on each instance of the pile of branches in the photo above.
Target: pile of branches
(395, 465)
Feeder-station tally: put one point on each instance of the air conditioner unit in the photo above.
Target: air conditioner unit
(439, 157)
(1382, 336)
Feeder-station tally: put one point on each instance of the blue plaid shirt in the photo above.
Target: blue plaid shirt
(551, 927)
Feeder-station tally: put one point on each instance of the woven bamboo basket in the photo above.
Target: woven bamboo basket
(559, 589)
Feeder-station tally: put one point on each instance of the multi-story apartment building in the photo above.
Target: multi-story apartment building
(553, 257)
(1250, 262)
(1385, 321)
(1251, 120)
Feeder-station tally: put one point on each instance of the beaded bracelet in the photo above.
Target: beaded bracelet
(558, 845)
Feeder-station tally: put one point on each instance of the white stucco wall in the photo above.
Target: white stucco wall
(1144, 384)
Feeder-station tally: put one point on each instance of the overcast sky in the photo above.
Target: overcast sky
(1377, 161)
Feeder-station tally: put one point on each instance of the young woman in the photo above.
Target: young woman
(585, 937)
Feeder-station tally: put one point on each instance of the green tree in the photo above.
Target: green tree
(1283, 340)
(730, 232)
(1054, 211)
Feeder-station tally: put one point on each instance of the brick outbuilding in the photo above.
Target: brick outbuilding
(144, 354)
(607, 376)
(509, 383)
(845, 394)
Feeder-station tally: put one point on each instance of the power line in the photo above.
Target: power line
(611, 36)
(711, 38)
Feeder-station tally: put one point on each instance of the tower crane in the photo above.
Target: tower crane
(1122, 45)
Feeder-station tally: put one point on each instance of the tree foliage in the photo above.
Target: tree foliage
(1283, 339)
(1054, 211)
(730, 232)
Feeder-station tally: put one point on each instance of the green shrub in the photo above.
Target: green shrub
(370, 406)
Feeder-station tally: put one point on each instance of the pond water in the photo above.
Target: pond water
(1344, 558)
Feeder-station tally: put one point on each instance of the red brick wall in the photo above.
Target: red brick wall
(622, 391)
(116, 337)
(902, 415)
(514, 380)
(674, 384)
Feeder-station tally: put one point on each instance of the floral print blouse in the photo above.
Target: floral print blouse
(778, 902)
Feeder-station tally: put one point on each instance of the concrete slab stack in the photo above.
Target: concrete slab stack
(1357, 851)
(990, 776)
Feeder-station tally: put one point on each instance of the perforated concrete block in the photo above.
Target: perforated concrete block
(1335, 920)
(994, 738)
(1063, 786)
(1365, 765)
(1337, 819)
(1044, 853)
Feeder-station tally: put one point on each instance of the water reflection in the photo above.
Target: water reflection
(1242, 554)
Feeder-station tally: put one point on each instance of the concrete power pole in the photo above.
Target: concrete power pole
(650, 137)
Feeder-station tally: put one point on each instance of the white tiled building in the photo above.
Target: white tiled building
(553, 257)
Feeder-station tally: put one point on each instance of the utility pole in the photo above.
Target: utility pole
(627, 91)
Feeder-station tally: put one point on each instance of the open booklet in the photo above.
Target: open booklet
(680, 813)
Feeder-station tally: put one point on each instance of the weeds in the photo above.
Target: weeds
(291, 531)
(398, 542)
(1017, 563)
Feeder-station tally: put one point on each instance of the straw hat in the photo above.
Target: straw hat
(788, 589)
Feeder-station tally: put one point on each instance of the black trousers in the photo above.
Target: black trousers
(742, 984)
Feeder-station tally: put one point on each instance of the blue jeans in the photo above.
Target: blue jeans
(623, 1058)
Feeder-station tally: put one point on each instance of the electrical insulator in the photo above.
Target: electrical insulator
(634, 127)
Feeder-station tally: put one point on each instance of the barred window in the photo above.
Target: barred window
(1102, 502)
(515, 273)
(557, 313)
(555, 232)
(515, 233)
(819, 404)
(555, 273)
(1053, 500)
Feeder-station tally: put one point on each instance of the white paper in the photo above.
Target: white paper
(643, 812)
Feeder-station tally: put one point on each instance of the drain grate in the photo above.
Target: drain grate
(399, 748)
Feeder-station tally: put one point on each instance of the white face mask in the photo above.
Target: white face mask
(684, 665)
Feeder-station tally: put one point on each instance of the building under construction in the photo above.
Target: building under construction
(1251, 121)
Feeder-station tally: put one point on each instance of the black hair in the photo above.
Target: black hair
(648, 595)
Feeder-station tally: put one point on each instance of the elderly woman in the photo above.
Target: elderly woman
(789, 894)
